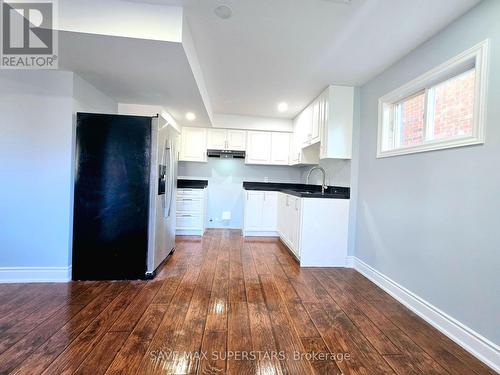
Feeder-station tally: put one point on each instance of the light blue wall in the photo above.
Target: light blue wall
(36, 153)
(431, 221)
(225, 178)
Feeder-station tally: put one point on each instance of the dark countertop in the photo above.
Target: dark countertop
(191, 184)
(300, 190)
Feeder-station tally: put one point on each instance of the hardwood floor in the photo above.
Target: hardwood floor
(222, 304)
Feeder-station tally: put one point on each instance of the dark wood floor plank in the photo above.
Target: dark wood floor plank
(128, 359)
(287, 339)
(239, 339)
(214, 349)
(76, 352)
(449, 355)
(18, 352)
(357, 340)
(164, 338)
(188, 338)
(44, 355)
(7, 340)
(337, 341)
(320, 357)
(40, 306)
(376, 337)
(268, 359)
(235, 306)
(129, 318)
(405, 345)
(418, 363)
(102, 354)
(218, 306)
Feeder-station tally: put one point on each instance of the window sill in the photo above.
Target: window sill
(469, 141)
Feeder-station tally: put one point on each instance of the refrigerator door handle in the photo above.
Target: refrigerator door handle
(168, 195)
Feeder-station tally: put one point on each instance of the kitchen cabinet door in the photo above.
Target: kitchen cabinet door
(295, 226)
(336, 135)
(287, 222)
(216, 139)
(269, 211)
(280, 148)
(316, 121)
(253, 210)
(258, 147)
(237, 140)
(193, 144)
(280, 213)
(305, 126)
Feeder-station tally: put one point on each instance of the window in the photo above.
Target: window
(441, 109)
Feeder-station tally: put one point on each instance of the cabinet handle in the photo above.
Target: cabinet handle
(186, 199)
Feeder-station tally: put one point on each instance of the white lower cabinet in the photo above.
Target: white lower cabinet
(191, 208)
(289, 221)
(314, 229)
(260, 213)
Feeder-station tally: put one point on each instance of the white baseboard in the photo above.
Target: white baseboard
(189, 232)
(479, 346)
(35, 274)
(254, 233)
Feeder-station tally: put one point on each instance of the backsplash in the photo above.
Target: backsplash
(225, 185)
(338, 173)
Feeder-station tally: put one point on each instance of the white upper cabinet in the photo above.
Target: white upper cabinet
(305, 126)
(258, 148)
(336, 126)
(272, 148)
(237, 139)
(226, 139)
(280, 148)
(300, 155)
(327, 121)
(193, 144)
(316, 121)
(217, 139)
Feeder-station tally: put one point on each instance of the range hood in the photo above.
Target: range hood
(226, 154)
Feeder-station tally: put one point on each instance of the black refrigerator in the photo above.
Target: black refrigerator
(122, 197)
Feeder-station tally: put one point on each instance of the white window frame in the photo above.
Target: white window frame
(474, 58)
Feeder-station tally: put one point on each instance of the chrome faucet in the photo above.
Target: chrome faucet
(323, 185)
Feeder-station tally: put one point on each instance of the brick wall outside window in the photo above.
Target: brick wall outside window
(454, 107)
(453, 111)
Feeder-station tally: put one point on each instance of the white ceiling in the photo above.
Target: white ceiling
(135, 71)
(289, 50)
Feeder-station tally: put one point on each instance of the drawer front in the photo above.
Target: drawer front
(190, 193)
(187, 204)
(189, 221)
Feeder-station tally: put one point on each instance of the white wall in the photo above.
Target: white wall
(36, 164)
(225, 178)
(430, 221)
